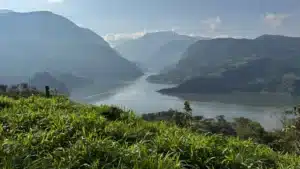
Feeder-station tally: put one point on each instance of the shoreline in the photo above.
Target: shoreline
(279, 100)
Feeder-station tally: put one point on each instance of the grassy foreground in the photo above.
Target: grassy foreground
(56, 133)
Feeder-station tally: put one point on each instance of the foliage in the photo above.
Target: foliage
(254, 76)
(56, 133)
(286, 140)
(187, 107)
(181, 119)
(24, 90)
(264, 57)
(289, 137)
(187, 118)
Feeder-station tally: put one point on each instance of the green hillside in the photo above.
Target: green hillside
(273, 54)
(57, 133)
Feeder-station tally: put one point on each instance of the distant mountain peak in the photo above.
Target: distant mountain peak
(42, 40)
(269, 36)
(56, 24)
(213, 57)
(4, 11)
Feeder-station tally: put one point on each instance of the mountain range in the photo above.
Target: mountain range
(226, 65)
(212, 57)
(168, 54)
(156, 50)
(43, 41)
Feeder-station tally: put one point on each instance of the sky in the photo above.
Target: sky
(126, 19)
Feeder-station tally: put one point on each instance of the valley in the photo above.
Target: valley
(109, 84)
(142, 96)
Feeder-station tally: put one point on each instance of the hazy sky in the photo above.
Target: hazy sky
(116, 19)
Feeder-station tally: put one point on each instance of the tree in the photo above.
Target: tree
(289, 137)
(24, 85)
(188, 117)
(3, 88)
(47, 91)
(187, 108)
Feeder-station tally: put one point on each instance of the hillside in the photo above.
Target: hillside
(213, 57)
(57, 133)
(42, 79)
(147, 48)
(168, 54)
(43, 41)
(260, 75)
(72, 81)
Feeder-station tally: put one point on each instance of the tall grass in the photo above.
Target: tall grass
(56, 133)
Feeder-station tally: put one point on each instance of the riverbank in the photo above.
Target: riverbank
(141, 96)
(278, 100)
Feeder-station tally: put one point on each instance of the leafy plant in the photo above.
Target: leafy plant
(38, 132)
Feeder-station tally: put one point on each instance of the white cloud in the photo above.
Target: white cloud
(126, 36)
(212, 23)
(114, 38)
(275, 19)
(55, 1)
(122, 36)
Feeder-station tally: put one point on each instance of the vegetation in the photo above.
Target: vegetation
(42, 79)
(38, 132)
(24, 90)
(285, 140)
(261, 75)
(247, 64)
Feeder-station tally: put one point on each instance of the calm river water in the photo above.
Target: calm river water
(141, 96)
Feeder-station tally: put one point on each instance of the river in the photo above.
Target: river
(141, 96)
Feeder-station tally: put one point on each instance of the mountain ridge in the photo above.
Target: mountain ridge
(268, 64)
(207, 57)
(41, 40)
(144, 49)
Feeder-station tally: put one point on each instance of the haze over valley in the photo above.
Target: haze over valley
(150, 84)
(53, 50)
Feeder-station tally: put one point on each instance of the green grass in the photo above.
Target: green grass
(56, 133)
